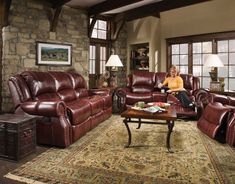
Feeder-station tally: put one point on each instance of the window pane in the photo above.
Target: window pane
(231, 84)
(175, 60)
(175, 49)
(223, 46)
(183, 69)
(197, 48)
(197, 70)
(231, 71)
(94, 33)
(183, 48)
(224, 58)
(206, 71)
(207, 47)
(102, 25)
(183, 59)
(232, 58)
(197, 59)
(96, 25)
(231, 45)
(206, 82)
(102, 34)
(204, 57)
(223, 71)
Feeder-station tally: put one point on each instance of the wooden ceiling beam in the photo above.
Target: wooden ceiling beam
(154, 9)
(59, 3)
(54, 18)
(4, 12)
(109, 5)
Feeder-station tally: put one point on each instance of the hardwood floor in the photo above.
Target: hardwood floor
(7, 166)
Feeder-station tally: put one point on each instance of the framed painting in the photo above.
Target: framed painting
(54, 54)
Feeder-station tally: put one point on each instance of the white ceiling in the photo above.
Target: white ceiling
(88, 3)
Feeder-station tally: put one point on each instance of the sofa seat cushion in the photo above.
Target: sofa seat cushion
(78, 110)
(107, 99)
(132, 98)
(159, 97)
(96, 102)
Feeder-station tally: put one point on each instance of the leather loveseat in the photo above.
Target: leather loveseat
(142, 86)
(66, 109)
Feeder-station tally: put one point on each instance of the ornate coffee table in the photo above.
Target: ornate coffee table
(170, 116)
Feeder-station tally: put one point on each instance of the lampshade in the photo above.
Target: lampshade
(213, 61)
(114, 61)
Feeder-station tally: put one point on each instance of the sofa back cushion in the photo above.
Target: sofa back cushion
(64, 86)
(143, 82)
(79, 85)
(39, 83)
(160, 77)
(188, 81)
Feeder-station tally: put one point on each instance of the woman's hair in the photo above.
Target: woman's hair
(173, 67)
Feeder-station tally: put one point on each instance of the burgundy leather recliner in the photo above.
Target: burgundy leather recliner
(142, 86)
(66, 109)
(227, 127)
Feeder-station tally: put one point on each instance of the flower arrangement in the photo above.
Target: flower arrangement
(104, 79)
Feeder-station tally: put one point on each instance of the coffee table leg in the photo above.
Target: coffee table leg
(139, 125)
(170, 128)
(129, 133)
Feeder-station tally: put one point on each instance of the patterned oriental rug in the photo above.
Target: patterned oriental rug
(100, 157)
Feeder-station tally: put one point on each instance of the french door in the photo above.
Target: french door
(97, 59)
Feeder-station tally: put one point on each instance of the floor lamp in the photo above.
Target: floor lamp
(113, 62)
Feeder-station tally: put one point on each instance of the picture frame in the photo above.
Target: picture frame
(53, 54)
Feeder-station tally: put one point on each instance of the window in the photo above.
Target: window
(201, 50)
(226, 51)
(189, 55)
(100, 29)
(180, 57)
(98, 52)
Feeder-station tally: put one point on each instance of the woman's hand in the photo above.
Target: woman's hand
(169, 91)
(160, 85)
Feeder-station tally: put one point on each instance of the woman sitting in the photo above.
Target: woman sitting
(176, 87)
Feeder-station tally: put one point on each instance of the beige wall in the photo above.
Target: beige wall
(144, 30)
(207, 17)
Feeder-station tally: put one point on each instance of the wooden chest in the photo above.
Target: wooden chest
(17, 136)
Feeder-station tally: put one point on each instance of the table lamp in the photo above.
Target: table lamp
(213, 61)
(113, 62)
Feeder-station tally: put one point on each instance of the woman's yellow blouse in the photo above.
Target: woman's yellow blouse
(174, 83)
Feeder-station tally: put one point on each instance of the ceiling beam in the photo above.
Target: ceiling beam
(154, 9)
(4, 12)
(109, 5)
(54, 18)
(59, 3)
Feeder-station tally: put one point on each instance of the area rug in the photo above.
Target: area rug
(100, 157)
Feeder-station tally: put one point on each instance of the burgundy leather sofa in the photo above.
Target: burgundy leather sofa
(212, 105)
(142, 86)
(66, 109)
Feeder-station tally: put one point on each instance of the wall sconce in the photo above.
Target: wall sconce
(213, 61)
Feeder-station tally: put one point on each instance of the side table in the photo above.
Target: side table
(17, 136)
(112, 91)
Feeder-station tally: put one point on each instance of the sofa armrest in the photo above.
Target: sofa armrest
(121, 98)
(99, 91)
(45, 108)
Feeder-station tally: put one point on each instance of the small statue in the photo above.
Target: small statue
(222, 83)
